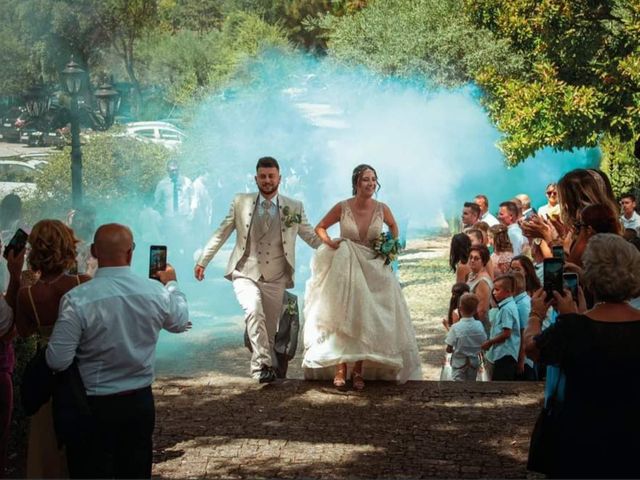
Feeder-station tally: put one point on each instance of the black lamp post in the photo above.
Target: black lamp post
(73, 76)
(108, 102)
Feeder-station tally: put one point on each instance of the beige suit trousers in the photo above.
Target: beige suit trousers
(262, 305)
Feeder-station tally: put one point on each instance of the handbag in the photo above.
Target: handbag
(544, 439)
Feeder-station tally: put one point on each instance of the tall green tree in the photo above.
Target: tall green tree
(582, 80)
(431, 38)
(189, 65)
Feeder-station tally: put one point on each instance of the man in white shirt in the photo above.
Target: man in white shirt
(111, 325)
(508, 215)
(629, 218)
(174, 194)
(483, 202)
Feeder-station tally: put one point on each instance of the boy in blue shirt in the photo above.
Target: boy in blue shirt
(464, 340)
(503, 346)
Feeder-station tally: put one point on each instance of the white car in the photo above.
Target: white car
(18, 176)
(162, 133)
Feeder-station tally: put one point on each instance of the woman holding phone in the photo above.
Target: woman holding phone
(52, 254)
(595, 411)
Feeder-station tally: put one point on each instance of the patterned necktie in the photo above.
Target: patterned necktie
(266, 215)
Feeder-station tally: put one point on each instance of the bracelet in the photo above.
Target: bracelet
(535, 315)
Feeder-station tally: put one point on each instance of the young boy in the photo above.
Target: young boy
(504, 345)
(464, 339)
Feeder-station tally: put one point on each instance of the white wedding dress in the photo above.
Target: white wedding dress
(354, 310)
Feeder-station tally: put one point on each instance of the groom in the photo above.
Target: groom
(262, 263)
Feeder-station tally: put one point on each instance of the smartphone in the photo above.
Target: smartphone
(157, 259)
(570, 281)
(552, 275)
(558, 252)
(17, 242)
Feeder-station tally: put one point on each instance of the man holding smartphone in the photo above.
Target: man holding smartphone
(262, 263)
(111, 325)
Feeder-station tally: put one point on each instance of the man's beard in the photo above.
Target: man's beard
(268, 190)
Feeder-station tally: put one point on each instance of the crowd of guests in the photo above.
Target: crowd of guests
(583, 341)
(81, 301)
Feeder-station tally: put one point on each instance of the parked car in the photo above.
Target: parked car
(9, 128)
(18, 176)
(38, 138)
(162, 133)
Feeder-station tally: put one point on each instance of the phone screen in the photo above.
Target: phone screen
(17, 242)
(157, 259)
(553, 270)
(570, 281)
(558, 251)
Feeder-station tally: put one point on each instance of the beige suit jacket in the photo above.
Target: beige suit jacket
(239, 219)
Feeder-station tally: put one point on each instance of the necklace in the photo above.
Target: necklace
(49, 282)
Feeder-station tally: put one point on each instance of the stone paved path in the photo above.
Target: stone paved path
(228, 427)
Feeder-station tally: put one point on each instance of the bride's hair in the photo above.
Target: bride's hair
(356, 176)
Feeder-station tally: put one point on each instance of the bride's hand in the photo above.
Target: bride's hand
(333, 243)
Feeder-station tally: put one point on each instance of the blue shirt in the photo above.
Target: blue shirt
(465, 336)
(111, 325)
(507, 317)
(523, 303)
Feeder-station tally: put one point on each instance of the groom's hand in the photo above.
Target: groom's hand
(199, 272)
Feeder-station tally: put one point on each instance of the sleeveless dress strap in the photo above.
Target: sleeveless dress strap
(33, 306)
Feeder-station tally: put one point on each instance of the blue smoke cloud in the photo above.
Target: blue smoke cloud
(432, 150)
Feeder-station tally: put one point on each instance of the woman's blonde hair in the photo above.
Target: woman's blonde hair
(580, 188)
(501, 241)
(53, 247)
(611, 268)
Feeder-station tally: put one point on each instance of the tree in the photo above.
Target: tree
(189, 65)
(118, 172)
(431, 38)
(582, 78)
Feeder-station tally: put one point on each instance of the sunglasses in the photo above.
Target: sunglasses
(552, 193)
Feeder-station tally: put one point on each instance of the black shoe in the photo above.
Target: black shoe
(267, 375)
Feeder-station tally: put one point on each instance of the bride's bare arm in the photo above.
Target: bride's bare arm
(390, 221)
(329, 219)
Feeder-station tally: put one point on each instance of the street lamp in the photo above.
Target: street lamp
(108, 102)
(73, 76)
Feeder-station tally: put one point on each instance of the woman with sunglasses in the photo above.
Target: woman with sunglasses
(551, 208)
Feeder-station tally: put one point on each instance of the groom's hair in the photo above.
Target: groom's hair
(267, 162)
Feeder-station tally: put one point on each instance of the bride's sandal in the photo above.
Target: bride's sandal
(340, 380)
(358, 381)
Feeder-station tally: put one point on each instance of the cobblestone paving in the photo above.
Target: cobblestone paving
(228, 427)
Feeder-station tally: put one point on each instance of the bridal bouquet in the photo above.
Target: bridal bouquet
(386, 246)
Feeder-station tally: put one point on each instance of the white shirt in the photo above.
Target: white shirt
(489, 219)
(465, 336)
(163, 197)
(517, 238)
(111, 325)
(633, 222)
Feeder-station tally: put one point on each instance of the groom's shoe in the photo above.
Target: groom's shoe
(267, 375)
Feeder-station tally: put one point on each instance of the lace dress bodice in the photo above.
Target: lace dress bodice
(349, 226)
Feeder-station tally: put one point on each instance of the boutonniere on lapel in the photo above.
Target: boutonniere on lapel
(292, 306)
(289, 218)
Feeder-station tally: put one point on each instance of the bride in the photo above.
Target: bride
(355, 311)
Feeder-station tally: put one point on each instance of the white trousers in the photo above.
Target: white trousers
(262, 305)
